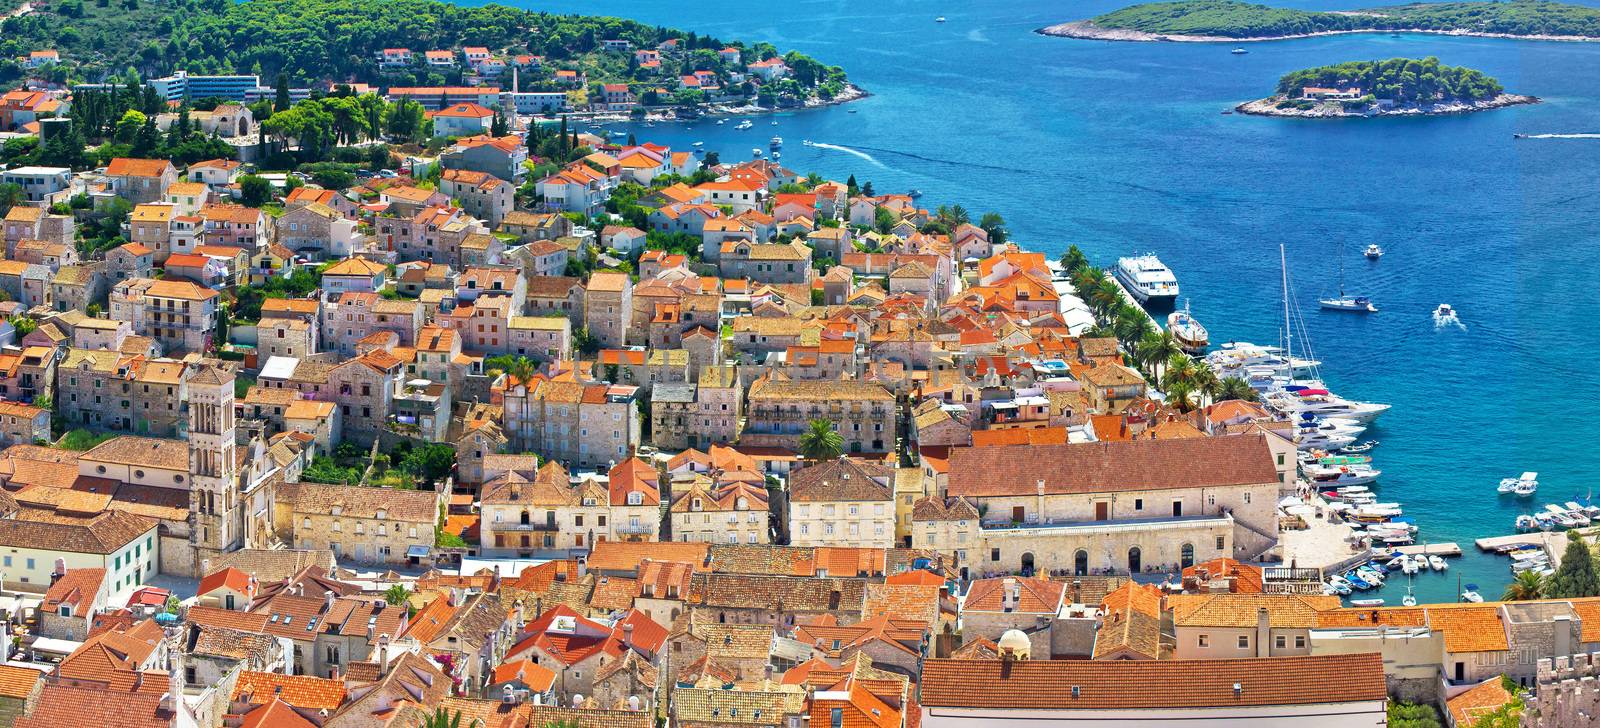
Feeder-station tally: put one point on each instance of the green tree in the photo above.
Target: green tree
(1526, 586)
(254, 191)
(396, 594)
(430, 462)
(442, 718)
(11, 195)
(821, 441)
(1236, 388)
(280, 98)
(1073, 260)
(995, 225)
(1576, 576)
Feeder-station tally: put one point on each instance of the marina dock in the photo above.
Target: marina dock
(1446, 550)
(1535, 538)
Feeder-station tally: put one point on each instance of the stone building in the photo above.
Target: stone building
(361, 524)
(780, 411)
(842, 502)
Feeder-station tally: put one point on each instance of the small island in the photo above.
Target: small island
(1395, 87)
(1217, 21)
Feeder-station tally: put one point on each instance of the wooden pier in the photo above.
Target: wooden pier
(1495, 543)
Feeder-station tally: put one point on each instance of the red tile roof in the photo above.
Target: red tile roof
(1152, 684)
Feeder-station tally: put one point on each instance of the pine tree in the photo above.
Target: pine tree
(148, 140)
(1576, 577)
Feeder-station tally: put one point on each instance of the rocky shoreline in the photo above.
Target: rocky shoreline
(1335, 110)
(1087, 30)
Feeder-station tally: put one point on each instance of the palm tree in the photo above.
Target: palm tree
(1131, 325)
(396, 594)
(1086, 279)
(522, 369)
(441, 718)
(1158, 348)
(1527, 585)
(1236, 388)
(821, 441)
(1205, 380)
(1179, 393)
(1104, 298)
(1074, 260)
(1179, 369)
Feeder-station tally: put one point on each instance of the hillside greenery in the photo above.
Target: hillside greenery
(1401, 80)
(338, 40)
(1234, 19)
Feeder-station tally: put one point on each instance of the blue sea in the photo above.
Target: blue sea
(1122, 148)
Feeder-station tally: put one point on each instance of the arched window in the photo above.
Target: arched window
(525, 520)
(1027, 563)
(1186, 555)
(1134, 563)
(1080, 563)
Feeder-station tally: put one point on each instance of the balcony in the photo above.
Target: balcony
(523, 527)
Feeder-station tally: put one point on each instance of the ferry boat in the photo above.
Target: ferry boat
(1191, 335)
(1147, 279)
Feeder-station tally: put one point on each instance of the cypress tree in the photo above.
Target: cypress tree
(1576, 577)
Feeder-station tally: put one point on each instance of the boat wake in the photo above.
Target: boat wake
(1447, 320)
(1591, 135)
(848, 150)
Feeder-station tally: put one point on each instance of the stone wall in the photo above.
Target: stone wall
(1568, 692)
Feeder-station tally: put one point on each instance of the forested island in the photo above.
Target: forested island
(1231, 20)
(311, 41)
(1397, 86)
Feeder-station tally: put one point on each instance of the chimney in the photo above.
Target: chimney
(1077, 590)
(205, 567)
(1563, 633)
(583, 567)
(1263, 631)
(327, 600)
(1010, 594)
(383, 653)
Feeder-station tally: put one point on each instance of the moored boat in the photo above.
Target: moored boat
(1191, 335)
(1147, 279)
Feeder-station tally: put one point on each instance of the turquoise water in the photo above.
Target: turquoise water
(1121, 148)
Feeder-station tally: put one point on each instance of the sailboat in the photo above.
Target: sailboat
(1358, 304)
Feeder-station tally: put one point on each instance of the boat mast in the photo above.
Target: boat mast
(1288, 332)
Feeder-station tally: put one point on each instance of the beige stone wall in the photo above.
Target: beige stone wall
(359, 540)
(714, 527)
(845, 523)
(1160, 547)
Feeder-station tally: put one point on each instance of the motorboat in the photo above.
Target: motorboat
(776, 142)
(1397, 563)
(1471, 594)
(1316, 439)
(1409, 600)
(1339, 585)
(1238, 51)
(1322, 403)
(746, 124)
(1409, 567)
(1526, 522)
(1366, 602)
(1359, 304)
(698, 144)
(1444, 311)
(914, 194)
(756, 152)
(720, 122)
(1191, 335)
(1345, 475)
(1525, 485)
(939, 19)
(777, 155)
(1373, 252)
(1370, 575)
(1436, 562)
(1356, 581)
(1147, 279)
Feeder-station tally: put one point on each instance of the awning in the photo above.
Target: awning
(55, 646)
(418, 551)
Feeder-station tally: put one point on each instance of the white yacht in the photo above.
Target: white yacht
(746, 124)
(1528, 484)
(1358, 304)
(1191, 335)
(1321, 403)
(1147, 278)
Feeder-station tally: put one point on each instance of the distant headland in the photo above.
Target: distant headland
(1219, 21)
(1395, 87)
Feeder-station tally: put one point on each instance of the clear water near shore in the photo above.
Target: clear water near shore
(1122, 148)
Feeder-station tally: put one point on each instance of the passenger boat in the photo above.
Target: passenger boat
(1191, 335)
(1147, 279)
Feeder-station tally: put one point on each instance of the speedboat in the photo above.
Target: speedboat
(1409, 600)
(1147, 279)
(756, 152)
(1471, 594)
(914, 194)
(1409, 567)
(1358, 304)
(1366, 602)
(721, 121)
(1191, 335)
(1345, 475)
(1444, 311)
(1373, 252)
(746, 124)
(1238, 51)
(1436, 562)
(776, 142)
(698, 144)
(939, 19)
